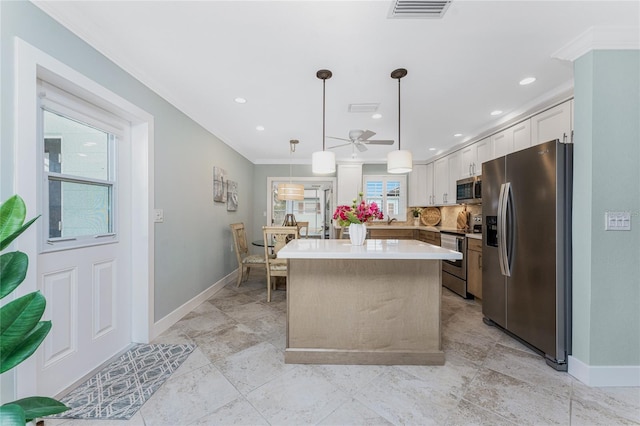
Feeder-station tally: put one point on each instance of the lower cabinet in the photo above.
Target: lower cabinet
(474, 267)
(390, 234)
(429, 237)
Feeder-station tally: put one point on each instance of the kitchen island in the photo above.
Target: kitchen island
(373, 304)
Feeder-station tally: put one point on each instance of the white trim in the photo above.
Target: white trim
(604, 375)
(167, 321)
(599, 38)
(31, 64)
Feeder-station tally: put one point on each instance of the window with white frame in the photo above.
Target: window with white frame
(78, 146)
(389, 192)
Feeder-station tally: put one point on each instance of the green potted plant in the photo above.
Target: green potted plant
(416, 211)
(21, 331)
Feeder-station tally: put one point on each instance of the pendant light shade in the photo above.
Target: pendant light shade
(399, 161)
(323, 162)
(291, 191)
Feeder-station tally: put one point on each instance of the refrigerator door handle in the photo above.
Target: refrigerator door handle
(505, 188)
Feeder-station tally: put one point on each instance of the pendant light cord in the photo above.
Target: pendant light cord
(324, 82)
(399, 114)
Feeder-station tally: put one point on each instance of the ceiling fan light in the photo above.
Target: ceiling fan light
(399, 161)
(323, 162)
(290, 191)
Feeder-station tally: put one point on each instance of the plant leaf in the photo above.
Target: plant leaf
(17, 320)
(12, 415)
(7, 240)
(13, 270)
(40, 406)
(12, 214)
(26, 348)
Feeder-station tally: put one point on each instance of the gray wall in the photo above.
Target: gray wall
(606, 264)
(193, 245)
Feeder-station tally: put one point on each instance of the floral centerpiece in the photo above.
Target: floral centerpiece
(358, 212)
(355, 216)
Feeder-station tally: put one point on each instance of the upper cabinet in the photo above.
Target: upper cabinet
(418, 194)
(512, 139)
(554, 123)
(349, 183)
(431, 198)
(446, 172)
(473, 156)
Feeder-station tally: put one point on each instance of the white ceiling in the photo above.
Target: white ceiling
(201, 55)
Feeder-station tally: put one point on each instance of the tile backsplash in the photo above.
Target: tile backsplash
(449, 214)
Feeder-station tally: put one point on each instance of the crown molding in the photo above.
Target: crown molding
(600, 38)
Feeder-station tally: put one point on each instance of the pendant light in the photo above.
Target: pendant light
(291, 191)
(399, 161)
(323, 162)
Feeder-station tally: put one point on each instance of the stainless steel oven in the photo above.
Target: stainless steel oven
(454, 272)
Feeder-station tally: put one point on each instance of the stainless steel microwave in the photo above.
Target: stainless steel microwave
(469, 190)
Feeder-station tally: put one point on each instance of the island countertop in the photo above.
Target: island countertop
(372, 249)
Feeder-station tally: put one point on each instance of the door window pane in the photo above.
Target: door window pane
(80, 180)
(80, 209)
(74, 148)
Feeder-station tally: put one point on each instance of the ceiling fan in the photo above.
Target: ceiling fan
(359, 139)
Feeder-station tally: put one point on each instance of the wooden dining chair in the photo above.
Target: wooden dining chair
(305, 226)
(246, 261)
(276, 236)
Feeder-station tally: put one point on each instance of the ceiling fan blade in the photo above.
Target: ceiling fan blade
(360, 147)
(366, 135)
(379, 142)
(340, 139)
(338, 146)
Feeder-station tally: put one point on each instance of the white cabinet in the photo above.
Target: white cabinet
(431, 197)
(473, 156)
(418, 194)
(554, 123)
(502, 143)
(349, 183)
(484, 153)
(440, 180)
(455, 161)
(521, 133)
(445, 173)
(512, 139)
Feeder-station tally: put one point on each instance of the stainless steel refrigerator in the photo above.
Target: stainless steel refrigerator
(526, 250)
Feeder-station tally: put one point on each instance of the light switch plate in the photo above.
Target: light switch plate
(158, 215)
(617, 221)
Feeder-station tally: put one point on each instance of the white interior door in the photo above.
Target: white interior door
(84, 266)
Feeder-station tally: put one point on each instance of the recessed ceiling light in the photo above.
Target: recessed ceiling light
(80, 154)
(496, 112)
(89, 144)
(527, 80)
(457, 135)
(376, 116)
(432, 149)
(259, 128)
(240, 100)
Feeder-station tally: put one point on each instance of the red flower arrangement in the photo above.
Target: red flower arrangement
(357, 212)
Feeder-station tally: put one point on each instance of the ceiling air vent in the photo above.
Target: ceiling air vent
(363, 107)
(419, 8)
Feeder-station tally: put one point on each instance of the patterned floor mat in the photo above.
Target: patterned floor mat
(119, 390)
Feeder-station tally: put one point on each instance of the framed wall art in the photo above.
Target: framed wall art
(219, 185)
(232, 195)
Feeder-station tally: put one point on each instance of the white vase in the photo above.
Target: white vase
(357, 233)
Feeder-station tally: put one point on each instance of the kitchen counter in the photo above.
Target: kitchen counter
(373, 304)
(372, 249)
(475, 236)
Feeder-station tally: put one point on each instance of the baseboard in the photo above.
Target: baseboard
(165, 323)
(604, 375)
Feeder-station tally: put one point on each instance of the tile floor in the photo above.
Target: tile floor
(237, 376)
